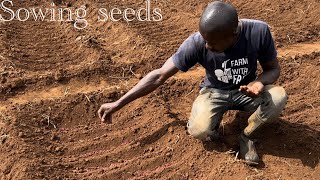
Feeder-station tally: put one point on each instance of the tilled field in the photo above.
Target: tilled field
(54, 78)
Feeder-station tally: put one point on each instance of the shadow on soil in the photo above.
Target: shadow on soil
(281, 139)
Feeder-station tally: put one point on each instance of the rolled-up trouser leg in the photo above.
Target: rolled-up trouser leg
(273, 101)
(206, 114)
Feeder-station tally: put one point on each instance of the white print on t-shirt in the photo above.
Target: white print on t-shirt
(225, 74)
(235, 72)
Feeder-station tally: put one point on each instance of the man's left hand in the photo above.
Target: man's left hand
(253, 89)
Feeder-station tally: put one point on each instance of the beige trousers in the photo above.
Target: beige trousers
(211, 104)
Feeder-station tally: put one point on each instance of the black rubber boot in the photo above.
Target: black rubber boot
(214, 136)
(248, 151)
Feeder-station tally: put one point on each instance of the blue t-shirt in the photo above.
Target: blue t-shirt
(234, 67)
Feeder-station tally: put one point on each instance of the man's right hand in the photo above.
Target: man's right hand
(145, 86)
(106, 110)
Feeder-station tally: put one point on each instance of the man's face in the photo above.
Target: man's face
(218, 42)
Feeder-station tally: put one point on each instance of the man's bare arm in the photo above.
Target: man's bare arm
(145, 86)
(271, 72)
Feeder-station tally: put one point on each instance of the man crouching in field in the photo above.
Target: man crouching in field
(228, 48)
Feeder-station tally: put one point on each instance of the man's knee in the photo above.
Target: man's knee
(205, 115)
(202, 125)
(199, 122)
(274, 101)
(199, 132)
(278, 96)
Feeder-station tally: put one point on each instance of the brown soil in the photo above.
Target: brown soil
(54, 78)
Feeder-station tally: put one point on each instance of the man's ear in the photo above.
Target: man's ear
(236, 31)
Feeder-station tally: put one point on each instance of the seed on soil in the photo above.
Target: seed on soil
(151, 149)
